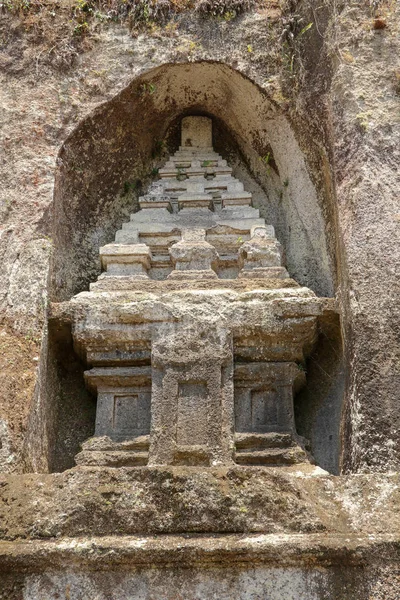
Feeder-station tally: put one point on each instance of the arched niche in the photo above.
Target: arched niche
(113, 152)
(108, 161)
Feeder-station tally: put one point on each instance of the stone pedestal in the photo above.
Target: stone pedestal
(126, 259)
(123, 417)
(181, 288)
(265, 431)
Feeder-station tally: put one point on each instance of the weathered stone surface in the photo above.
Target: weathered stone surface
(193, 254)
(128, 501)
(123, 401)
(285, 318)
(197, 132)
(255, 380)
(193, 400)
(115, 568)
(133, 260)
(261, 256)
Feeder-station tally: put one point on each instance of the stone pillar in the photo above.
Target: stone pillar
(261, 256)
(122, 417)
(192, 396)
(193, 257)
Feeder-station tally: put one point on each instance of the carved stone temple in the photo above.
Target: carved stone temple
(194, 335)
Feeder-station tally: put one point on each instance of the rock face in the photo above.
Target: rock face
(244, 331)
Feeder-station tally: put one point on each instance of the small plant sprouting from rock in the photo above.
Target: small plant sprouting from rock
(293, 31)
(81, 28)
(302, 368)
(362, 121)
(130, 186)
(266, 159)
(147, 89)
(158, 149)
(145, 13)
(181, 176)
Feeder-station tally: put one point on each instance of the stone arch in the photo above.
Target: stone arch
(108, 161)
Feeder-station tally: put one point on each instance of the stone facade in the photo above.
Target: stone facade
(197, 487)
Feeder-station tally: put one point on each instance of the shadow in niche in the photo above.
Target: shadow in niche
(120, 144)
(73, 407)
(318, 406)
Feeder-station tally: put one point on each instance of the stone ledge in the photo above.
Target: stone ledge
(108, 553)
(128, 289)
(142, 501)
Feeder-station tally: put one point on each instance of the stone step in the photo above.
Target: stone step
(240, 217)
(123, 284)
(236, 199)
(174, 185)
(258, 441)
(154, 202)
(102, 451)
(216, 185)
(187, 172)
(192, 172)
(195, 162)
(217, 170)
(196, 200)
(115, 459)
(272, 456)
(196, 149)
(168, 173)
(140, 443)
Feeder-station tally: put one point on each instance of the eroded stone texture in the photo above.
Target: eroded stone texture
(193, 257)
(222, 584)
